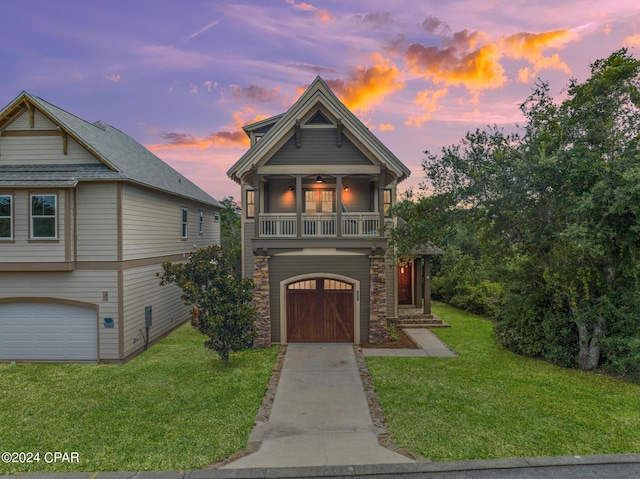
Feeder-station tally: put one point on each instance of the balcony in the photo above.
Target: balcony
(318, 225)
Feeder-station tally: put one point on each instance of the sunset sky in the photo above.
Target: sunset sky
(182, 77)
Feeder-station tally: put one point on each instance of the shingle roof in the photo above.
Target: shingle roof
(54, 175)
(118, 151)
(281, 124)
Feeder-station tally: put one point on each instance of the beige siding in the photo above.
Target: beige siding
(40, 122)
(23, 249)
(151, 224)
(35, 150)
(215, 225)
(97, 222)
(142, 288)
(41, 150)
(84, 286)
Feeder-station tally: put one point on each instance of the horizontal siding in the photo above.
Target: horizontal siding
(84, 286)
(42, 150)
(142, 288)
(35, 150)
(40, 122)
(358, 199)
(284, 267)
(151, 223)
(390, 279)
(22, 249)
(279, 198)
(215, 226)
(247, 250)
(318, 147)
(97, 222)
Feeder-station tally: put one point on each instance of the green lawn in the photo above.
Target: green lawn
(490, 403)
(174, 407)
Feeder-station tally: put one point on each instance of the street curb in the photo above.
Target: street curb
(354, 470)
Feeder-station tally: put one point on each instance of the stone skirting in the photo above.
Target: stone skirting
(262, 324)
(377, 300)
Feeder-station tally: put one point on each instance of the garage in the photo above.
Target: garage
(48, 332)
(320, 310)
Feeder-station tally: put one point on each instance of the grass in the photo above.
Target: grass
(490, 403)
(174, 407)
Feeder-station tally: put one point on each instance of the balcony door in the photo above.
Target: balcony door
(319, 201)
(319, 206)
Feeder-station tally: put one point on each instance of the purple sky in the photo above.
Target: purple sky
(182, 77)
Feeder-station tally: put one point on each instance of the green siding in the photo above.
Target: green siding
(318, 147)
(284, 267)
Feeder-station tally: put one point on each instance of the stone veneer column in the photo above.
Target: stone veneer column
(262, 324)
(377, 300)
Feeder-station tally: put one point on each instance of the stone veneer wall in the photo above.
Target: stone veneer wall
(377, 301)
(262, 324)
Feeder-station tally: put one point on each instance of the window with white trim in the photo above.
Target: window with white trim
(185, 225)
(201, 223)
(44, 216)
(6, 217)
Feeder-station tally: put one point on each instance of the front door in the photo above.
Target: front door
(404, 284)
(320, 310)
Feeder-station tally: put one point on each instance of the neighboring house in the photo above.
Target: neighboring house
(316, 184)
(87, 217)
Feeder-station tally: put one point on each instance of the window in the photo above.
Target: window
(387, 201)
(44, 222)
(201, 224)
(216, 218)
(319, 201)
(6, 221)
(185, 226)
(251, 203)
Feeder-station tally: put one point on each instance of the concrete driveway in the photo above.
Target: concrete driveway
(320, 415)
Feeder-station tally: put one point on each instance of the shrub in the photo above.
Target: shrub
(222, 303)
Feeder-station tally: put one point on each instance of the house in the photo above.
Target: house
(316, 186)
(87, 217)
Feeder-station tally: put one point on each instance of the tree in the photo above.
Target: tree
(230, 233)
(557, 205)
(222, 304)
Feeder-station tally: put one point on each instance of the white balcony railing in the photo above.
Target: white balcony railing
(360, 224)
(280, 225)
(284, 225)
(318, 224)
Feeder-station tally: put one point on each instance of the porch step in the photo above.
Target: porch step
(440, 324)
(416, 319)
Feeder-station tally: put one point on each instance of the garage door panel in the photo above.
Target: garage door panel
(47, 332)
(320, 310)
(338, 308)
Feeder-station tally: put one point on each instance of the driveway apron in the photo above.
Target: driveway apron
(320, 415)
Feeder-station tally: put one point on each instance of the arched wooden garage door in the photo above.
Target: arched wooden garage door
(48, 332)
(320, 310)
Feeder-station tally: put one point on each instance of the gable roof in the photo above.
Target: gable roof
(317, 92)
(126, 158)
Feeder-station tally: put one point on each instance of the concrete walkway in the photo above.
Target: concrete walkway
(430, 344)
(320, 415)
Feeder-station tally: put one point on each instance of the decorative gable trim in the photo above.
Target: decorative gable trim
(318, 118)
(317, 95)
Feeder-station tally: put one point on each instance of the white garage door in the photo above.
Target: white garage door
(47, 332)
